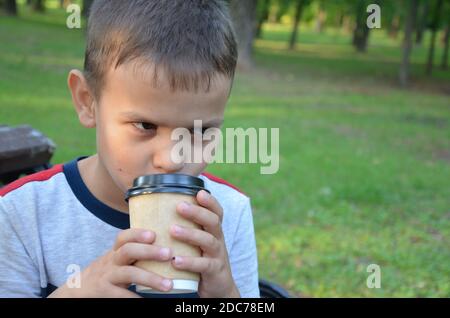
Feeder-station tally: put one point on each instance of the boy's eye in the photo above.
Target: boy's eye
(198, 131)
(145, 127)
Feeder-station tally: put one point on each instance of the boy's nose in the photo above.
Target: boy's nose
(162, 159)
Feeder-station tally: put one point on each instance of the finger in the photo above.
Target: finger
(206, 241)
(132, 252)
(134, 235)
(202, 216)
(202, 265)
(125, 275)
(208, 201)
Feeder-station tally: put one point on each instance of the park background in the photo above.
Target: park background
(364, 118)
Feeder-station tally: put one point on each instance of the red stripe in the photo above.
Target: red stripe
(38, 176)
(219, 180)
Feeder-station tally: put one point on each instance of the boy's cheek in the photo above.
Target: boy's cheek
(121, 169)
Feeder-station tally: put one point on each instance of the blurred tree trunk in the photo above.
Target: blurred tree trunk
(422, 21)
(263, 16)
(361, 32)
(38, 5)
(347, 24)
(444, 64)
(298, 14)
(407, 43)
(434, 28)
(243, 13)
(321, 18)
(340, 20)
(272, 14)
(10, 7)
(86, 7)
(394, 26)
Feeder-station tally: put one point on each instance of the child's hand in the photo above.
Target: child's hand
(214, 267)
(111, 274)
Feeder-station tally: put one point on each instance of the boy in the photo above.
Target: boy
(150, 67)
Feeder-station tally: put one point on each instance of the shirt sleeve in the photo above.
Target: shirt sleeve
(19, 276)
(243, 255)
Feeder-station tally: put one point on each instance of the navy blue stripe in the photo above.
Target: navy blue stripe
(99, 209)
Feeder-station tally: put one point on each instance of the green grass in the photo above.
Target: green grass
(364, 165)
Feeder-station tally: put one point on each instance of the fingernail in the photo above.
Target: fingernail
(167, 284)
(164, 252)
(147, 235)
(184, 206)
(177, 229)
(178, 260)
(204, 194)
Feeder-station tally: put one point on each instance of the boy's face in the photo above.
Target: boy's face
(135, 120)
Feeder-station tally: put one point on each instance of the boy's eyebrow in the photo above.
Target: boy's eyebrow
(135, 116)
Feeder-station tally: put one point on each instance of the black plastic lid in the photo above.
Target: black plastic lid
(166, 182)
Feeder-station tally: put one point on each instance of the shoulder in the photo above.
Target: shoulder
(216, 180)
(26, 195)
(39, 177)
(223, 189)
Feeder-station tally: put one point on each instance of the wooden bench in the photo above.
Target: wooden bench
(23, 150)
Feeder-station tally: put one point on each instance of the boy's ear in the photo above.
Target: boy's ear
(82, 98)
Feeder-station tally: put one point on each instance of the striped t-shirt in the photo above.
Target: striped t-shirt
(50, 222)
